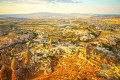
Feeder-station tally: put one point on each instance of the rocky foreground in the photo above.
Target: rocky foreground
(29, 57)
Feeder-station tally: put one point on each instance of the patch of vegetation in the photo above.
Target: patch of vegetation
(107, 46)
(35, 35)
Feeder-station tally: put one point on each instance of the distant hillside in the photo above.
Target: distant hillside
(51, 15)
(12, 18)
(37, 15)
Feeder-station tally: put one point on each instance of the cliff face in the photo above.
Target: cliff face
(10, 47)
(5, 71)
(18, 72)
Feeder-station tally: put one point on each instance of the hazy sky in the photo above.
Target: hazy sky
(60, 6)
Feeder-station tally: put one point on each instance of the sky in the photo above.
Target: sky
(60, 6)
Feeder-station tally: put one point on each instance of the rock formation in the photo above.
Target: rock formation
(18, 72)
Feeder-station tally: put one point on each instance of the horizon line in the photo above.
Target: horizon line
(65, 13)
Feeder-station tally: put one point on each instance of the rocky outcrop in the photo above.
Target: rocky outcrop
(18, 72)
(84, 38)
(11, 50)
(109, 39)
(5, 73)
(6, 42)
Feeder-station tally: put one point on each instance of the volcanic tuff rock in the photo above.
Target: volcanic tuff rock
(18, 72)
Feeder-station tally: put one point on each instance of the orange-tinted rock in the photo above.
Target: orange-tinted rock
(18, 72)
(5, 73)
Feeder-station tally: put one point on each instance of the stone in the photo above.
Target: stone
(18, 72)
(5, 73)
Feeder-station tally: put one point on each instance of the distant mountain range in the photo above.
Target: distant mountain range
(51, 15)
